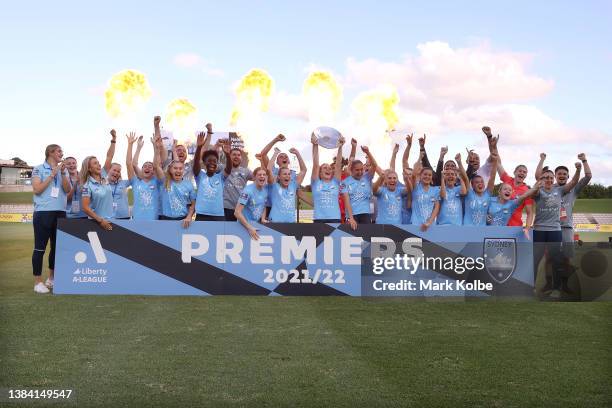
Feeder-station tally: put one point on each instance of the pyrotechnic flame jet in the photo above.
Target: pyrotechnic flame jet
(127, 91)
(182, 120)
(323, 96)
(376, 115)
(253, 94)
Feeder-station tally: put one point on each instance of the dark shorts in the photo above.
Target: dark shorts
(164, 218)
(206, 217)
(363, 218)
(229, 214)
(327, 221)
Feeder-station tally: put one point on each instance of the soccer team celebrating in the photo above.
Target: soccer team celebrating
(217, 185)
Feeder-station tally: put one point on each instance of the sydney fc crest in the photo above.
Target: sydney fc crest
(500, 258)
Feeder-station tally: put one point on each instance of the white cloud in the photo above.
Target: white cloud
(192, 60)
(450, 93)
(187, 60)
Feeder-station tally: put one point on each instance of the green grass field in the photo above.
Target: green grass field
(273, 351)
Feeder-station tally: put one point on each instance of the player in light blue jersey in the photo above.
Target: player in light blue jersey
(502, 206)
(478, 197)
(425, 200)
(325, 184)
(145, 186)
(356, 190)
(451, 209)
(73, 205)
(50, 185)
(177, 193)
(390, 197)
(210, 181)
(97, 195)
(251, 205)
(283, 191)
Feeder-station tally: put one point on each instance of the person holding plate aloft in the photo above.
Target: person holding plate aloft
(326, 184)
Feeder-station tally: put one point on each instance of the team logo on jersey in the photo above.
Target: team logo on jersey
(500, 258)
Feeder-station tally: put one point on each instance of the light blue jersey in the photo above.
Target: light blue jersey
(146, 199)
(283, 202)
(275, 171)
(254, 201)
(73, 205)
(499, 214)
(100, 197)
(476, 208)
(390, 205)
(325, 199)
(423, 203)
(451, 209)
(176, 198)
(359, 192)
(209, 200)
(53, 198)
(121, 206)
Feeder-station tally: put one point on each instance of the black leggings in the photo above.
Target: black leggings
(363, 218)
(45, 229)
(206, 217)
(229, 214)
(549, 242)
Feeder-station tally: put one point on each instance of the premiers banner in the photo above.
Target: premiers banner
(220, 258)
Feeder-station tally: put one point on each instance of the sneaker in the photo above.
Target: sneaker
(40, 288)
(49, 283)
(555, 294)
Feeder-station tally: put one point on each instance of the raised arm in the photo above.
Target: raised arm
(131, 138)
(110, 153)
(494, 164)
(264, 152)
(158, 145)
(315, 158)
(572, 183)
(300, 176)
(438, 179)
(587, 173)
(462, 174)
(226, 149)
(530, 193)
(270, 166)
(377, 184)
(338, 166)
(406, 154)
(393, 156)
(163, 153)
(197, 164)
(373, 165)
(538, 172)
(424, 159)
(137, 170)
(353, 152)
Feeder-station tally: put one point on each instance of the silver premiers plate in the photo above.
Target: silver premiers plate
(327, 137)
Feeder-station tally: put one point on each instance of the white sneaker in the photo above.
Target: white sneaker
(49, 283)
(40, 288)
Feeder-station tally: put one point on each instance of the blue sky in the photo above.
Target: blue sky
(57, 57)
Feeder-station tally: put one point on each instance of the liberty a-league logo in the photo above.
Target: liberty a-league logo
(500, 258)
